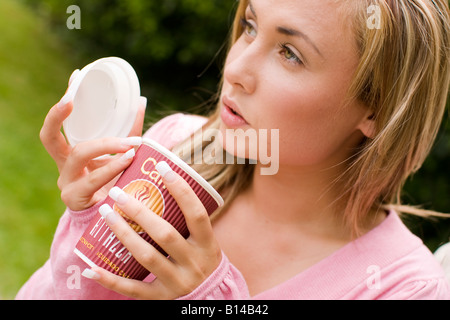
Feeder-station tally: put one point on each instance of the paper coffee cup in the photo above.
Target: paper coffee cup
(99, 246)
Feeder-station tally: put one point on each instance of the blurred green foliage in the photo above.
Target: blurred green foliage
(178, 47)
(174, 45)
(33, 71)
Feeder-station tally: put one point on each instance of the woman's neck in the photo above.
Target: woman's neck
(312, 200)
(305, 198)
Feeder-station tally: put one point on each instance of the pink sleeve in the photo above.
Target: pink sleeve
(60, 277)
(225, 283)
(427, 289)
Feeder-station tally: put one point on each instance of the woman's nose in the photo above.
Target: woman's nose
(241, 67)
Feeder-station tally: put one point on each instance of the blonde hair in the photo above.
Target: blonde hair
(403, 76)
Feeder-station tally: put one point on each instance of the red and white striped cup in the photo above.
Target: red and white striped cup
(99, 246)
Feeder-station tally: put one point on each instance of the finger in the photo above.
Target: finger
(102, 161)
(98, 178)
(160, 230)
(197, 218)
(136, 130)
(86, 151)
(51, 135)
(128, 287)
(142, 251)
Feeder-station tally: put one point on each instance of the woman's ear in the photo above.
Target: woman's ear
(367, 125)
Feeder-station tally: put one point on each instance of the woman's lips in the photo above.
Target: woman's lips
(231, 114)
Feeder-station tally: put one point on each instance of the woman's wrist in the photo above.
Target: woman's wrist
(86, 215)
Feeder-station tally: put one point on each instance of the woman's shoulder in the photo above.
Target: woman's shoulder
(400, 266)
(417, 275)
(173, 129)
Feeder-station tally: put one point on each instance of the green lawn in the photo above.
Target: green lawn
(34, 69)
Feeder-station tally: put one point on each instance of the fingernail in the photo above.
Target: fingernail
(132, 141)
(108, 214)
(166, 171)
(73, 75)
(90, 274)
(118, 195)
(65, 99)
(128, 155)
(143, 101)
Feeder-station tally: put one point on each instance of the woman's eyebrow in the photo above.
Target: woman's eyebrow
(295, 33)
(252, 9)
(288, 31)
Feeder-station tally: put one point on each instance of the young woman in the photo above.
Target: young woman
(357, 90)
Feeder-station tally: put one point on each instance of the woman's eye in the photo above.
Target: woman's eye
(289, 55)
(249, 29)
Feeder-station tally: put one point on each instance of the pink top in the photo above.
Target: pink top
(388, 262)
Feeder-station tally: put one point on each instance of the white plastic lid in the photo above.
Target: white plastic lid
(105, 97)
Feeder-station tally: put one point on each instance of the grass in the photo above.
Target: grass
(33, 75)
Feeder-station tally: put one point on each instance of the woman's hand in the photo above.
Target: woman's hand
(83, 181)
(82, 174)
(191, 260)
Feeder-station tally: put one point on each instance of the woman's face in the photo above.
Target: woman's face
(290, 70)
